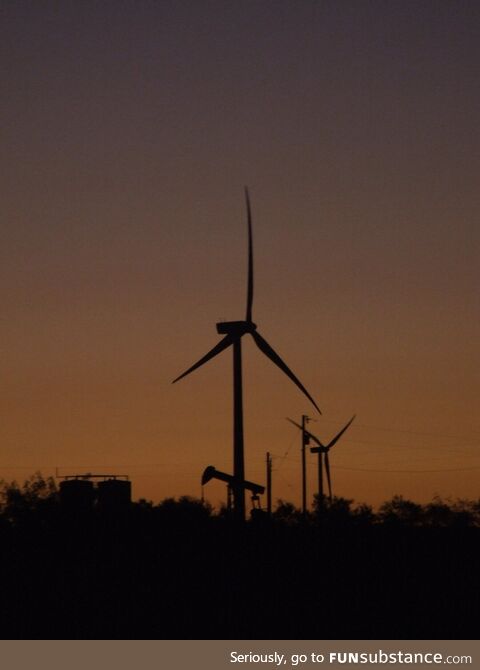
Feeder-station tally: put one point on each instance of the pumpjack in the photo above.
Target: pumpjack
(257, 490)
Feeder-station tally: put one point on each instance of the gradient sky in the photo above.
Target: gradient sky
(128, 132)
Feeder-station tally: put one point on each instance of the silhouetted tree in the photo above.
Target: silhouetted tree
(286, 512)
(341, 511)
(400, 510)
(184, 510)
(475, 508)
(337, 507)
(143, 504)
(364, 514)
(438, 513)
(463, 513)
(37, 496)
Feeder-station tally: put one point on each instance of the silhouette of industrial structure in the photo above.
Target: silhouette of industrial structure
(256, 490)
(107, 493)
(233, 332)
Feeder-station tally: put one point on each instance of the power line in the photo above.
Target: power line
(282, 459)
(340, 467)
(410, 432)
(413, 447)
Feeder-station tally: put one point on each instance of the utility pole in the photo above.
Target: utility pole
(305, 441)
(320, 479)
(269, 483)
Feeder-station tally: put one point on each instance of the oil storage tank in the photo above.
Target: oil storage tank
(77, 495)
(114, 495)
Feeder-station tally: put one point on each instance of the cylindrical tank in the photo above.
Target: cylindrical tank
(114, 494)
(77, 494)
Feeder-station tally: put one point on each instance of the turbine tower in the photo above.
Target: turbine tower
(233, 332)
(322, 449)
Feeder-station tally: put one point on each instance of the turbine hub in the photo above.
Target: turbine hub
(235, 328)
(319, 450)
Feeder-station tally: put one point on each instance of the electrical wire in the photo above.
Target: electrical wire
(341, 467)
(410, 432)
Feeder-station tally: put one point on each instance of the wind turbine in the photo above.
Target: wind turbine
(322, 449)
(234, 331)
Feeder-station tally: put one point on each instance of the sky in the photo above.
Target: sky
(129, 130)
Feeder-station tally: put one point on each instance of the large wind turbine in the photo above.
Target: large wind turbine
(322, 449)
(234, 331)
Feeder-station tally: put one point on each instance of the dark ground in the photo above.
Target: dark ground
(179, 576)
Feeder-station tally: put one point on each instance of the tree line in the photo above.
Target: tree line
(179, 569)
(39, 496)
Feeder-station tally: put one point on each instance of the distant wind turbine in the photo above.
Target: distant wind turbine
(234, 331)
(322, 449)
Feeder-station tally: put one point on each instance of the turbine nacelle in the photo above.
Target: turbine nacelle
(319, 450)
(235, 328)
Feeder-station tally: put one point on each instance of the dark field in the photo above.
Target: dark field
(174, 571)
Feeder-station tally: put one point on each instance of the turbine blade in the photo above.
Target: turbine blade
(311, 435)
(337, 437)
(275, 358)
(223, 344)
(250, 259)
(327, 470)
